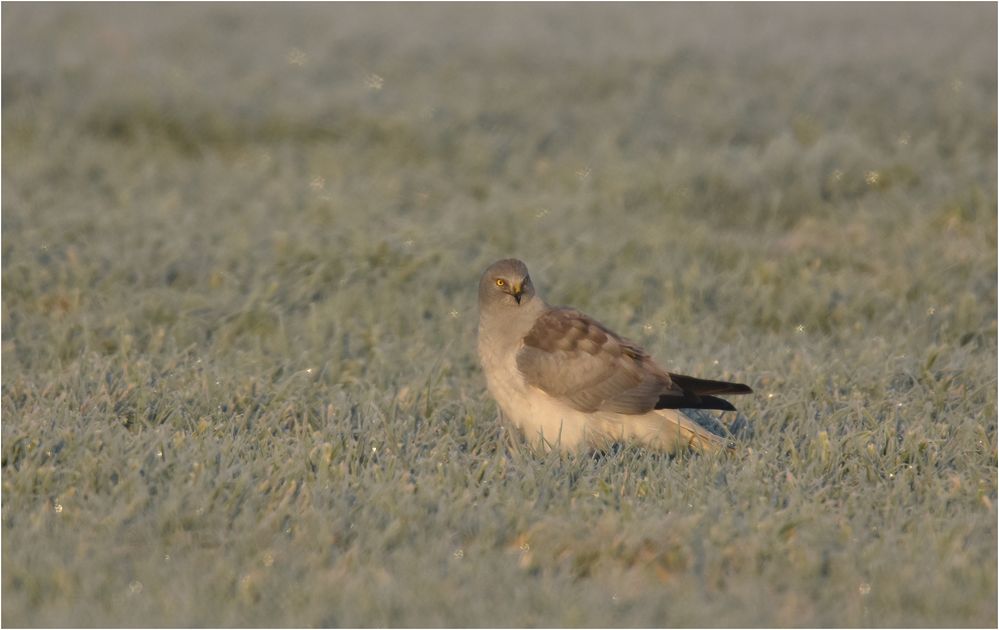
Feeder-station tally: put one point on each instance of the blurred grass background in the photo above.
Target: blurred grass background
(240, 251)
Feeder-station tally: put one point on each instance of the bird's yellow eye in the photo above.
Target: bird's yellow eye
(500, 282)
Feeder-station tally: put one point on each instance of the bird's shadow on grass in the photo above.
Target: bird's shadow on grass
(724, 425)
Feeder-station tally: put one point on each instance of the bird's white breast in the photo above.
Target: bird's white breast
(540, 417)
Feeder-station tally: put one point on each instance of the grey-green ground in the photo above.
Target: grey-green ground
(240, 251)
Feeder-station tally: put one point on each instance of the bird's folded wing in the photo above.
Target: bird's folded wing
(577, 360)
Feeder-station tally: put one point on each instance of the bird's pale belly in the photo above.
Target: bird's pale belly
(542, 419)
(545, 422)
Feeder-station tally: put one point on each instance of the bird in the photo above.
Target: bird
(569, 383)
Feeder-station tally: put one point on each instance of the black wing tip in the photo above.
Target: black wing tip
(694, 402)
(694, 385)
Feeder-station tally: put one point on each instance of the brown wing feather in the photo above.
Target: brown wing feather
(577, 359)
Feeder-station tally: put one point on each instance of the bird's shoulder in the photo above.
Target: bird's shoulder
(568, 330)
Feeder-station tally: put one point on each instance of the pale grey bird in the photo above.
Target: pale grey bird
(568, 382)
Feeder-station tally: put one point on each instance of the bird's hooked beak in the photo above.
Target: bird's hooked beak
(516, 290)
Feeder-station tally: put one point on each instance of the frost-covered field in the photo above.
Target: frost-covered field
(240, 254)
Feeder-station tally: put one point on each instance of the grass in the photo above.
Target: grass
(240, 252)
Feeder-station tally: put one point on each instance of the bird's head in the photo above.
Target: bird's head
(506, 283)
